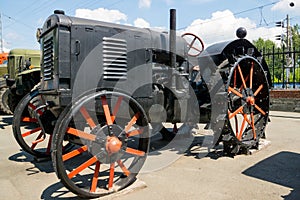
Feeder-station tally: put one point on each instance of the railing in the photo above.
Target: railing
(284, 67)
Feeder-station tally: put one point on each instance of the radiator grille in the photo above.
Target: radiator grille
(114, 59)
(48, 61)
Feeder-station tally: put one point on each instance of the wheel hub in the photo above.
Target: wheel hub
(113, 144)
(249, 100)
(110, 143)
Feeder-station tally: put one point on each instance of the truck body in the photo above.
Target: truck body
(22, 74)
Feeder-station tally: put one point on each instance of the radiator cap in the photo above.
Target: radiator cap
(241, 32)
(61, 12)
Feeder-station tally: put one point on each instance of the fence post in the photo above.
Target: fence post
(294, 67)
(283, 68)
(273, 65)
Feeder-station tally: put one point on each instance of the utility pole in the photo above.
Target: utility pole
(1, 38)
(289, 43)
(288, 32)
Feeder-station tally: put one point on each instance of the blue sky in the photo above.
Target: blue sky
(212, 20)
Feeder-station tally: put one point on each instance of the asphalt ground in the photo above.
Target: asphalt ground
(270, 173)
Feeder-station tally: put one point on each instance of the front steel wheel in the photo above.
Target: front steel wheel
(110, 133)
(248, 105)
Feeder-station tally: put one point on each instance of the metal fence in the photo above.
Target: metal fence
(284, 67)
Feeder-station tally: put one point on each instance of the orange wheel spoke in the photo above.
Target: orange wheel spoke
(95, 177)
(231, 115)
(132, 121)
(124, 169)
(252, 125)
(106, 111)
(37, 140)
(81, 134)
(234, 79)
(246, 79)
(82, 167)
(33, 107)
(230, 89)
(31, 131)
(49, 144)
(258, 89)
(116, 108)
(135, 151)
(74, 153)
(246, 118)
(259, 109)
(87, 117)
(239, 136)
(135, 132)
(251, 75)
(111, 175)
(236, 124)
(248, 121)
(242, 77)
(28, 119)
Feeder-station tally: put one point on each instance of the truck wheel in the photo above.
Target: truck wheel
(4, 93)
(110, 133)
(13, 99)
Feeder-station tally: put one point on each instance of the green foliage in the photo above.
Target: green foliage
(277, 61)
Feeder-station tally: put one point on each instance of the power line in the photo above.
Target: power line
(1, 38)
(237, 13)
(18, 21)
(26, 8)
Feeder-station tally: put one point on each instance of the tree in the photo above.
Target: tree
(275, 64)
(277, 60)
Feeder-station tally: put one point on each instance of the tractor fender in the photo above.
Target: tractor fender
(35, 69)
(228, 50)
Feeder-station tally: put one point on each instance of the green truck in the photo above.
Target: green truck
(23, 73)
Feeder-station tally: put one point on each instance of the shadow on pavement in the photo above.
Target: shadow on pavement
(282, 168)
(39, 166)
(54, 191)
(6, 121)
(181, 145)
(58, 191)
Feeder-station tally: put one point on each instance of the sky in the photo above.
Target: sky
(212, 20)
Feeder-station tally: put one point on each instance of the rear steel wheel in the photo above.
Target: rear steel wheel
(27, 129)
(4, 107)
(111, 135)
(248, 105)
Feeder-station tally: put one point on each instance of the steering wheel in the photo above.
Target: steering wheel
(196, 46)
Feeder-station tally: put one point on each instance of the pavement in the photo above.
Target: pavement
(273, 172)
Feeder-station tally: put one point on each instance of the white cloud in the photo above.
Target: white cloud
(40, 22)
(169, 2)
(13, 36)
(10, 38)
(144, 3)
(222, 26)
(141, 23)
(6, 46)
(285, 7)
(101, 14)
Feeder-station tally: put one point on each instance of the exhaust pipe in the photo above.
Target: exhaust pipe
(172, 40)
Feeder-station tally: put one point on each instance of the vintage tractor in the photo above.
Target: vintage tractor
(106, 88)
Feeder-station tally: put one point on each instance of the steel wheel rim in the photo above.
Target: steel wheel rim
(27, 130)
(103, 171)
(248, 103)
